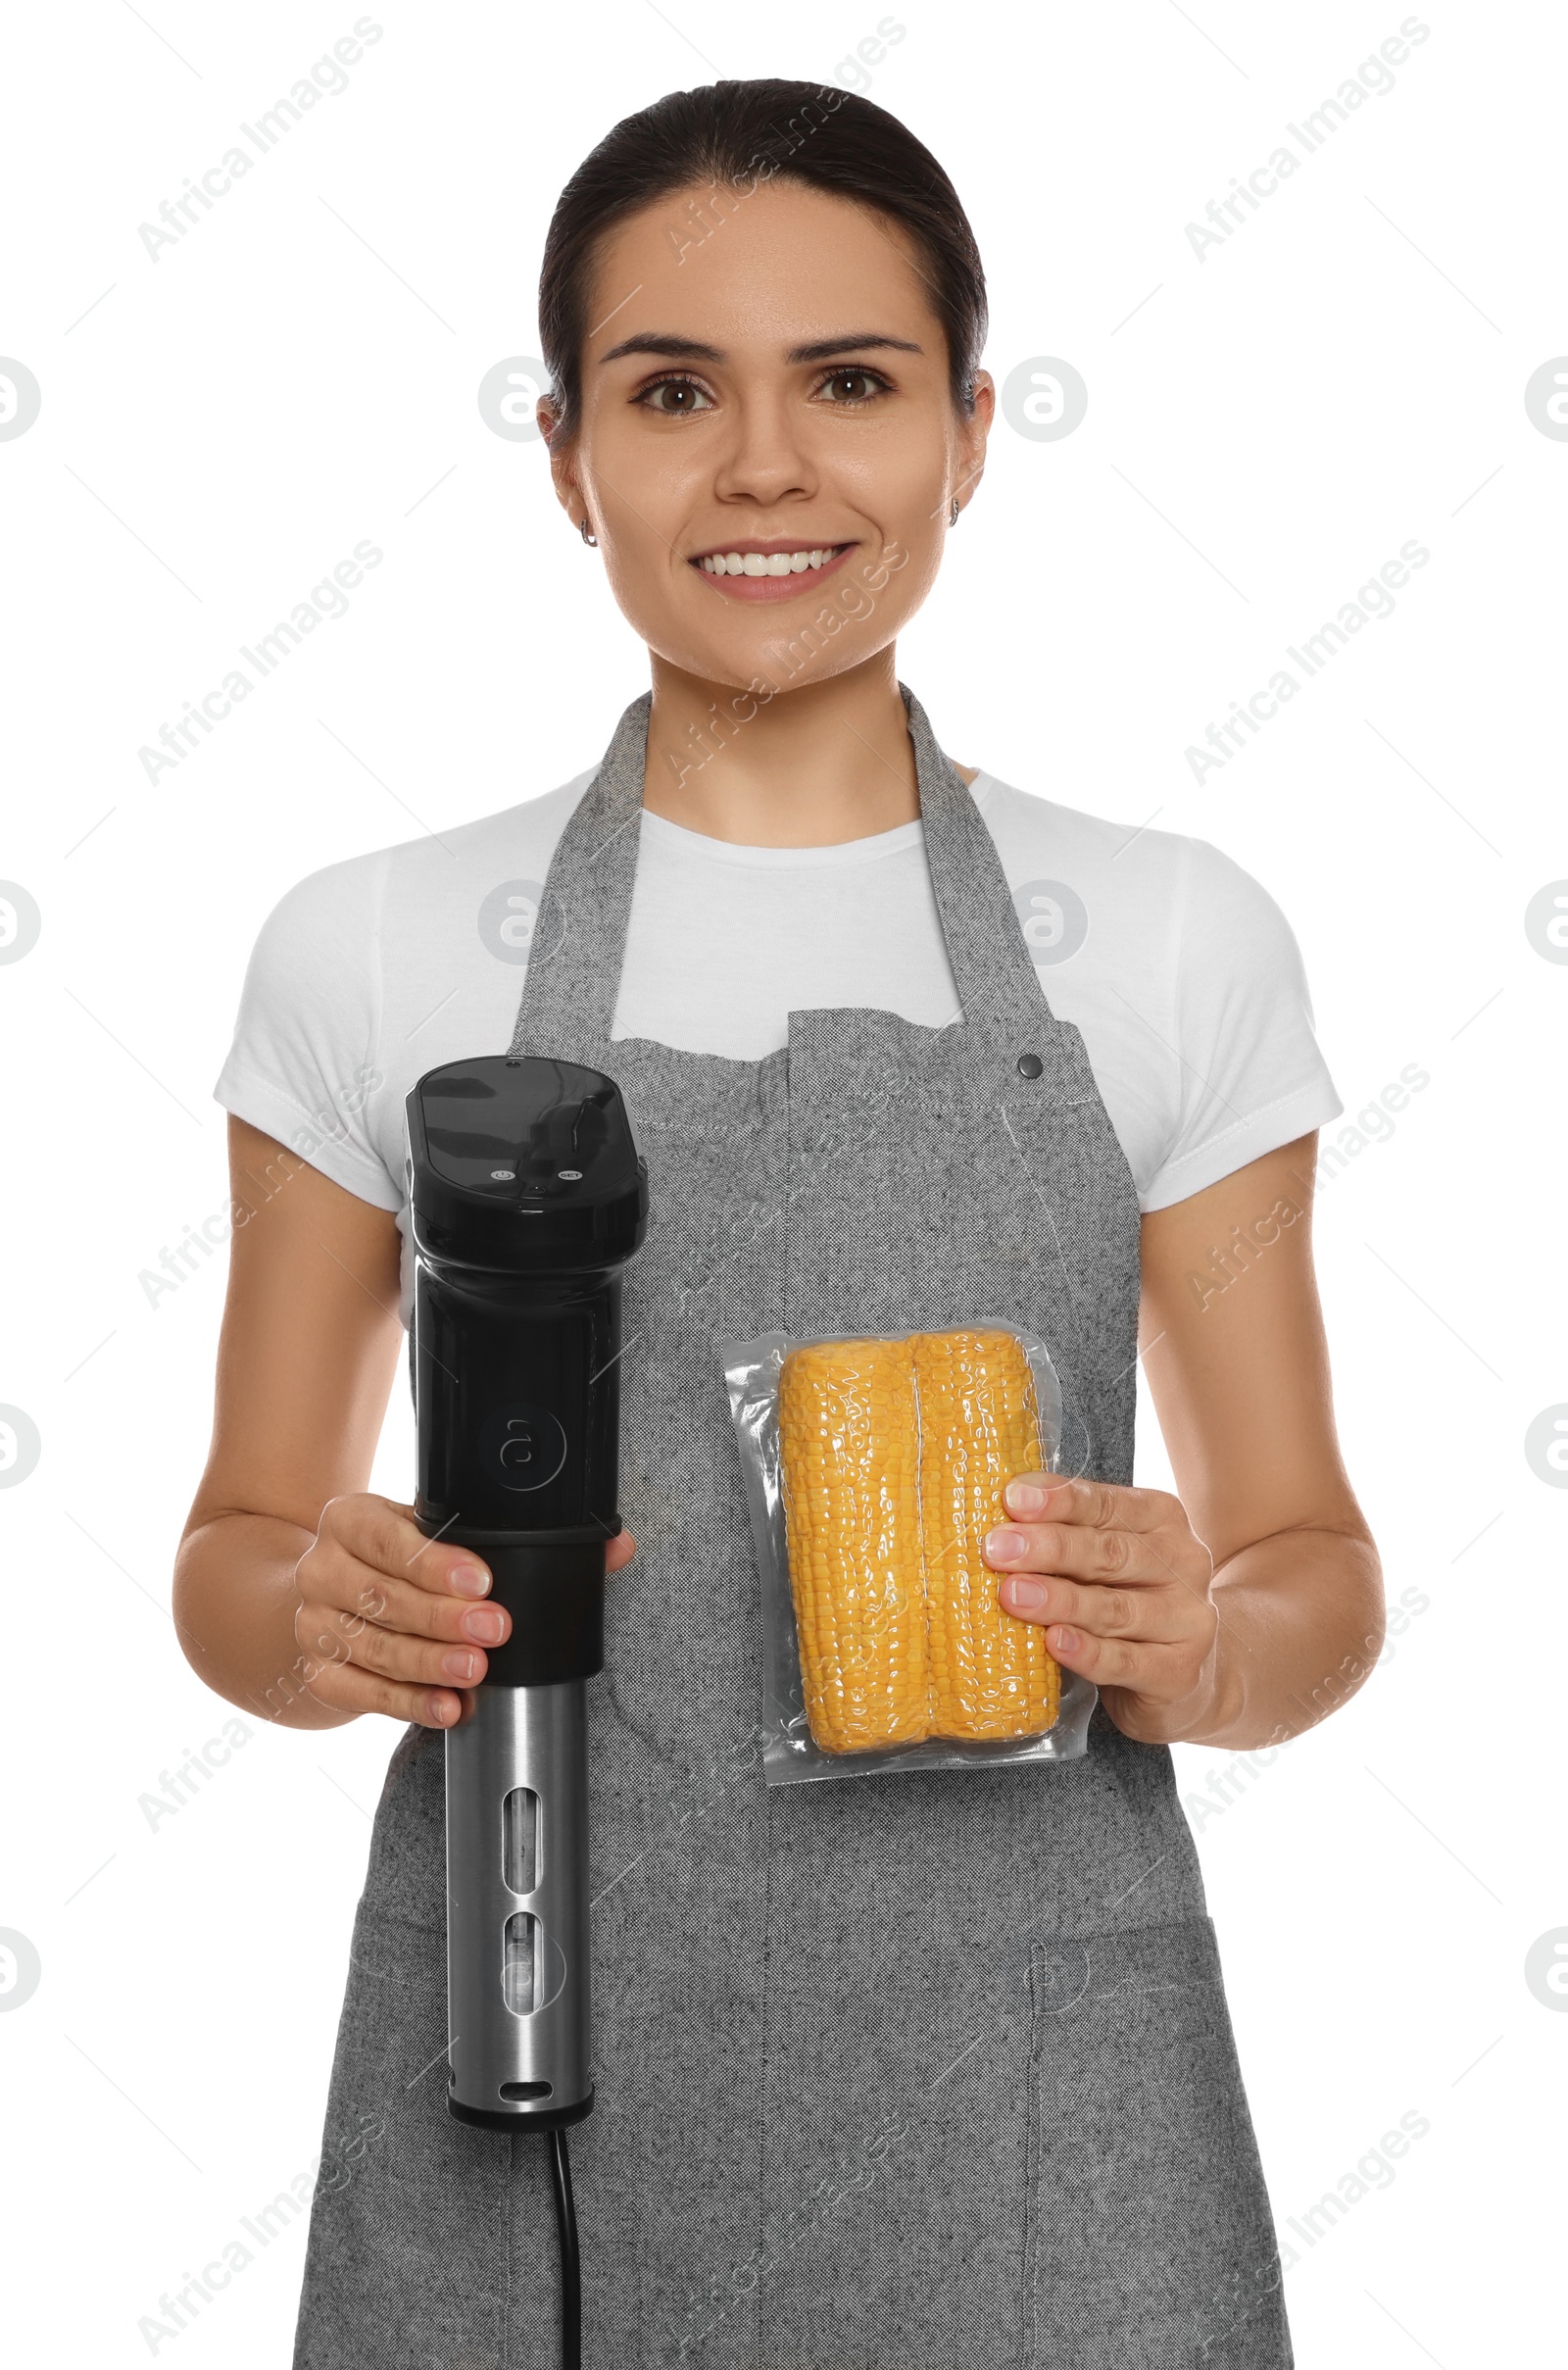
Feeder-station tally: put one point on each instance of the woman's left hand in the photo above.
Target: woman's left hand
(1122, 1587)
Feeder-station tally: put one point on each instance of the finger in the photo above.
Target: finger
(343, 1688)
(1163, 1675)
(390, 1652)
(1100, 1504)
(1078, 1552)
(382, 1535)
(360, 1589)
(1156, 1615)
(356, 1593)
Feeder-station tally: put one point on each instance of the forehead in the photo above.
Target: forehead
(774, 268)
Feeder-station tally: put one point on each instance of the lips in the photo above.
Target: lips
(779, 570)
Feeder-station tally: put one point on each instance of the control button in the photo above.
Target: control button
(503, 1176)
(572, 1173)
(1030, 1065)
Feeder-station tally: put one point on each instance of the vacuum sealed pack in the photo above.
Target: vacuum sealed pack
(875, 1464)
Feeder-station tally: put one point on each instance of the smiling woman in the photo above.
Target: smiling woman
(814, 955)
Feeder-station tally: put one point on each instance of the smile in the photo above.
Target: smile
(768, 572)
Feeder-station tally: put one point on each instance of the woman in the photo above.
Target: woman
(892, 2073)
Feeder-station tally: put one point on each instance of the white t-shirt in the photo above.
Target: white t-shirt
(1180, 971)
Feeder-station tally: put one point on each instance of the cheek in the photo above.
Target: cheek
(637, 567)
(901, 492)
(646, 488)
(895, 581)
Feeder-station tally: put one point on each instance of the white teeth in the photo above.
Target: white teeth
(767, 563)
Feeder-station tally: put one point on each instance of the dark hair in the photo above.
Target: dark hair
(737, 135)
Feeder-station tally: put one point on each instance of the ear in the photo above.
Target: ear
(562, 470)
(973, 433)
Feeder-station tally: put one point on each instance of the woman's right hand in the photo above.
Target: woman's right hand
(365, 1618)
(391, 1620)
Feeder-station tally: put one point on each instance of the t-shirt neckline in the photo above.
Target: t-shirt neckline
(697, 846)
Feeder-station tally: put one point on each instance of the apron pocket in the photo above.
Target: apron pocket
(1148, 2240)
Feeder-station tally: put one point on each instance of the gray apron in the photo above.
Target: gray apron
(921, 2071)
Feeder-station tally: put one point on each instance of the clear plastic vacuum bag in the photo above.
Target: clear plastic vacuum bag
(875, 1467)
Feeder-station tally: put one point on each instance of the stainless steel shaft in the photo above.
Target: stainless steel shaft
(518, 1923)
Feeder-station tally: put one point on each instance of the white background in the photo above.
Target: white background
(1266, 426)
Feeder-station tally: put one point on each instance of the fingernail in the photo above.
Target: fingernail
(1063, 1641)
(486, 1624)
(469, 1579)
(461, 1666)
(1027, 1595)
(1005, 1545)
(1024, 1497)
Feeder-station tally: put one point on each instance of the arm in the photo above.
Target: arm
(1252, 1606)
(297, 1594)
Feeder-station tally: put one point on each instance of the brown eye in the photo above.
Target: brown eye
(851, 387)
(684, 397)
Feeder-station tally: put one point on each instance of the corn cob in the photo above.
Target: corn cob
(850, 1475)
(991, 1677)
(894, 1454)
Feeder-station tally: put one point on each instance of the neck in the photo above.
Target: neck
(809, 768)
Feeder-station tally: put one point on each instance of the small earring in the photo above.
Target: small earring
(587, 538)
(952, 515)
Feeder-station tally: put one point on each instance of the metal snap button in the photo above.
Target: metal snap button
(1030, 1065)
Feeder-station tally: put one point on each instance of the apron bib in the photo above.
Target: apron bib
(922, 2071)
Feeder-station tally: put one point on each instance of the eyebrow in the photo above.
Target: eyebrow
(691, 349)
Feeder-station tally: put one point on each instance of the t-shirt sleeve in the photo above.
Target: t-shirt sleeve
(303, 1063)
(1250, 1075)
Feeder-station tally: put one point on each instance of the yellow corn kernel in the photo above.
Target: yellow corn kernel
(991, 1675)
(849, 1475)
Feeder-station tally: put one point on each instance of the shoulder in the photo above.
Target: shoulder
(1185, 978)
(1138, 885)
(337, 916)
(352, 961)
(532, 826)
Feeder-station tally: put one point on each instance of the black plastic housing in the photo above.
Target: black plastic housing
(527, 1196)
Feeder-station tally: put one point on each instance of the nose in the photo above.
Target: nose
(766, 458)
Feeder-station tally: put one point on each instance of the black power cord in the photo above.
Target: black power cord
(570, 2274)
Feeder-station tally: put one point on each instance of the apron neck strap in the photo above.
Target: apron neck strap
(992, 965)
(574, 974)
